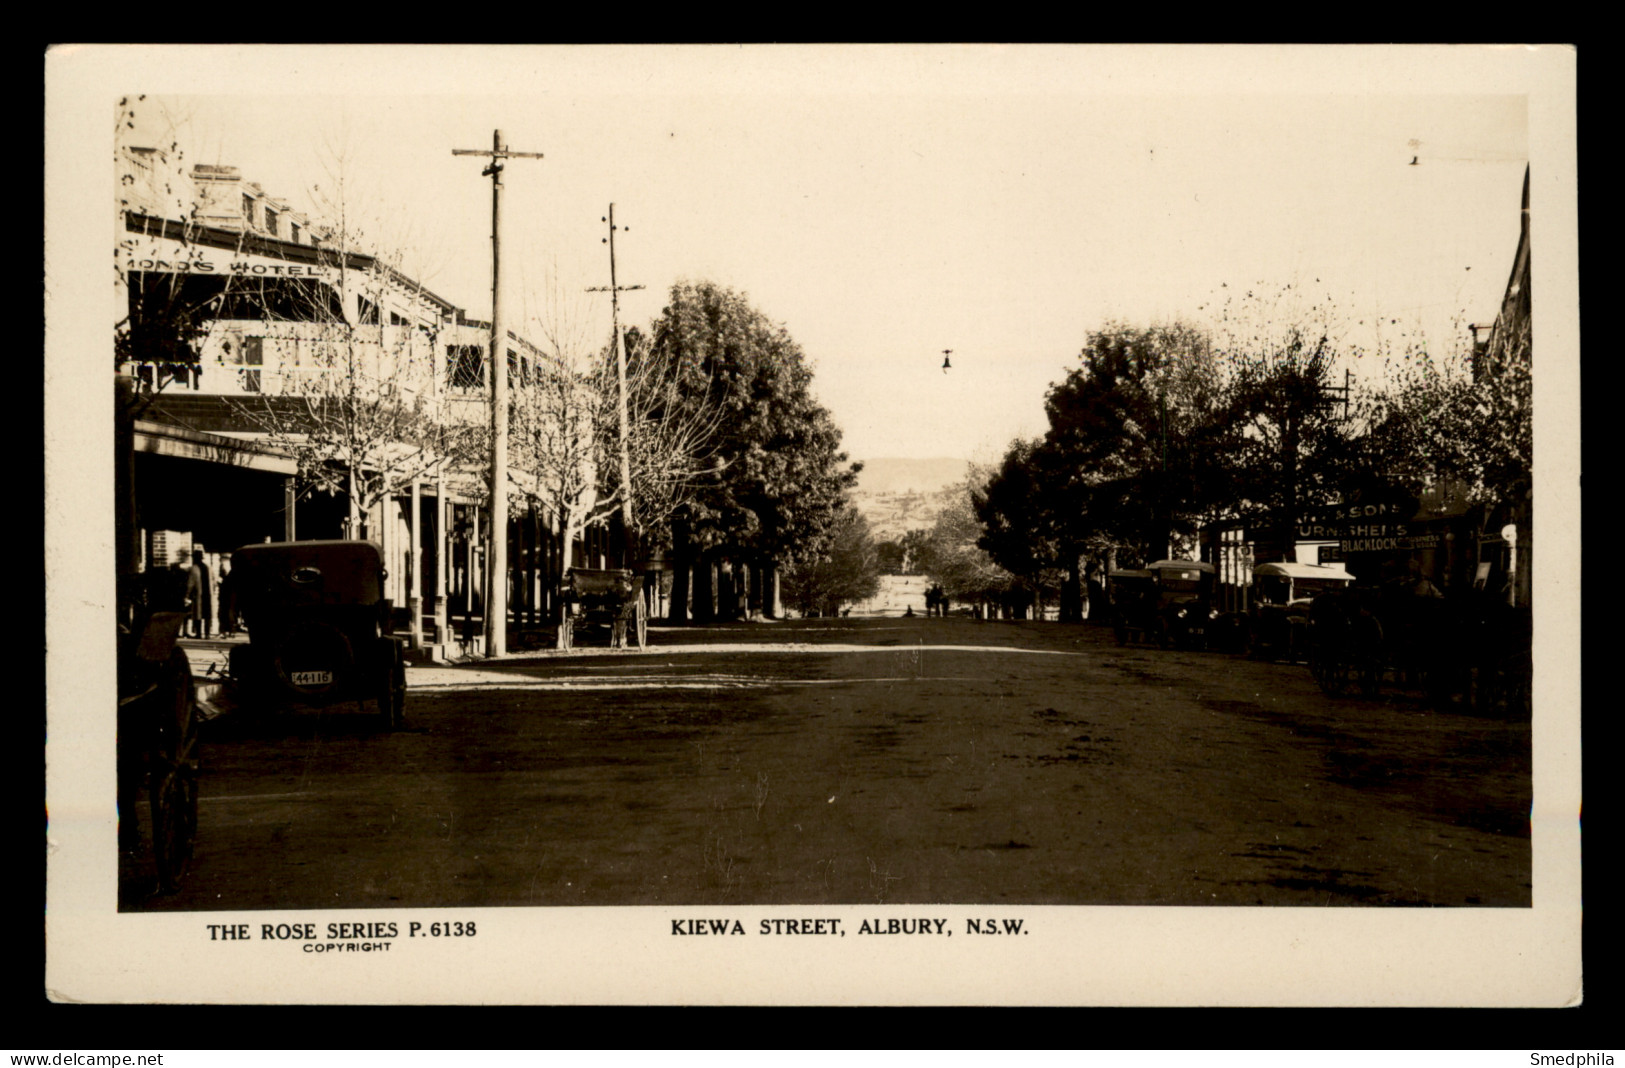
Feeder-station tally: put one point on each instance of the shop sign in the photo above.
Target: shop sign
(1394, 539)
(1379, 518)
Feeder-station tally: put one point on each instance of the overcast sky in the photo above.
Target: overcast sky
(888, 203)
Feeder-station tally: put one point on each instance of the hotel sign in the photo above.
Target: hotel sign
(191, 259)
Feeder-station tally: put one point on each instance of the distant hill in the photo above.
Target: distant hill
(897, 495)
(904, 476)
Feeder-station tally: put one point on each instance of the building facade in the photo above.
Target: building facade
(283, 386)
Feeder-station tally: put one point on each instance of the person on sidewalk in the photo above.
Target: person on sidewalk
(228, 598)
(199, 596)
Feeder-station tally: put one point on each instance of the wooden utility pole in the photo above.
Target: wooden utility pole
(615, 292)
(496, 602)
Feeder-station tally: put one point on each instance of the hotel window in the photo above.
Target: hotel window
(465, 366)
(293, 229)
(270, 222)
(248, 354)
(248, 210)
(253, 360)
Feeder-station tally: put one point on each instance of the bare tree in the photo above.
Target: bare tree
(566, 434)
(345, 366)
(670, 439)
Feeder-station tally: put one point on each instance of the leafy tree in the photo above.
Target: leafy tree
(1438, 421)
(779, 479)
(951, 556)
(1131, 459)
(1287, 434)
(1021, 527)
(847, 570)
(913, 545)
(889, 558)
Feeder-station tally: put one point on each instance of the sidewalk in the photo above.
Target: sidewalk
(210, 656)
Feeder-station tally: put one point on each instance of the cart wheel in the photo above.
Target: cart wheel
(172, 787)
(641, 633)
(566, 629)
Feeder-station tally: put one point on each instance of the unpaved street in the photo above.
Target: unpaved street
(866, 761)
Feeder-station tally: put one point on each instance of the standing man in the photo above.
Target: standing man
(228, 597)
(200, 594)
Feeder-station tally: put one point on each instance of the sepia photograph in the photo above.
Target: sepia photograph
(1045, 525)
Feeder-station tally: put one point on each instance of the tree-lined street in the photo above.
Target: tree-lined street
(879, 761)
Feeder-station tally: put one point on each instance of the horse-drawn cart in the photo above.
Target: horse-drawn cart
(612, 598)
(1363, 639)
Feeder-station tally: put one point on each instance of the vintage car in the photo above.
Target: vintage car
(1278, 624)
(1132, 594)
(1184, 601)
(318, 625)
(1169, 603)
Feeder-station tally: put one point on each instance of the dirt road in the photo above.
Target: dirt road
(866, 761)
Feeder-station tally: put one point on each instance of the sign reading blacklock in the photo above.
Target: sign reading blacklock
(1386, 524)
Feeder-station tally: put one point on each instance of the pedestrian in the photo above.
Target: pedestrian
(200, 596)
(172, 589)
(228, 597)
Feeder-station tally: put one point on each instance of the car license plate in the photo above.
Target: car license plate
(312, 678)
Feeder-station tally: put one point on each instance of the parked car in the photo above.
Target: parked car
(1132, 593)
(1278, 623)
(318, 626)
(1169, 603)
(1184, 601)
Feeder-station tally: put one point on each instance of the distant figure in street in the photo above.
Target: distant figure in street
(199, 596)
(908, 612)
(936, 602)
